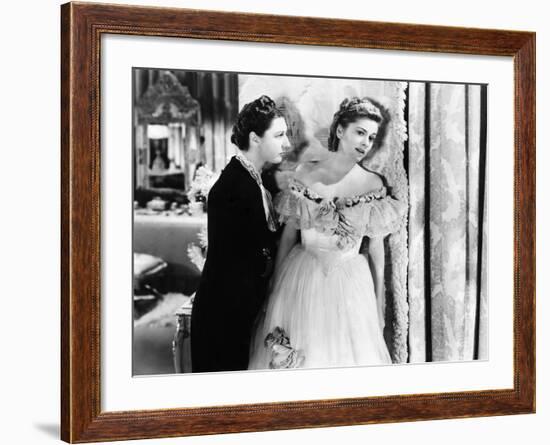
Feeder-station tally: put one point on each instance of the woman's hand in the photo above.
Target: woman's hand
(376, 259)
(288, 239)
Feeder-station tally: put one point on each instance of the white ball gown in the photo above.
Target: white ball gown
(322, 311)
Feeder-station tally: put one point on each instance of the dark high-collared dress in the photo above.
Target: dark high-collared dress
(235, 275)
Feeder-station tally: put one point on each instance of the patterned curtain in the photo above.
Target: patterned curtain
(447, 232)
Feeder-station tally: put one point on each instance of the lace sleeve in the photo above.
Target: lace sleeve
(384, 216)
(288, 208)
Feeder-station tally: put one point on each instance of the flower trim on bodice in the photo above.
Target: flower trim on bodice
(301, 189)
(349, 218)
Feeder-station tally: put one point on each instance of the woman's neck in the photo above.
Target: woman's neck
(254, 159)
(340, 163)
(333, 168)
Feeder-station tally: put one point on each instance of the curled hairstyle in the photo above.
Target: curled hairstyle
(353, 109)
(255, 116)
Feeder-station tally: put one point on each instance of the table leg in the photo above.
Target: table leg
(181, 345)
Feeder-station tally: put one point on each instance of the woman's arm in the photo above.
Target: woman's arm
(376, 263)
(288, 239)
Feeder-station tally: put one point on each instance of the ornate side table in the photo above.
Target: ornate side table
(181, 345)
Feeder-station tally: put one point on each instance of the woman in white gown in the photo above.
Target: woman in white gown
(325, 306)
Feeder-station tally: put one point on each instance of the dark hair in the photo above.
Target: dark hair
(255, 116)
(353, 109)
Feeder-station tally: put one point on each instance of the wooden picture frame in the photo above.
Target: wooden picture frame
(82, 26)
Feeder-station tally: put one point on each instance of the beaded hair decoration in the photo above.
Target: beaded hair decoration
(359, 106)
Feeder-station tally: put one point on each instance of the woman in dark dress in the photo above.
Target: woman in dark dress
(241, 242)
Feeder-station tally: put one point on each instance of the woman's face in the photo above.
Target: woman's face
(274, 142)
(357, 138)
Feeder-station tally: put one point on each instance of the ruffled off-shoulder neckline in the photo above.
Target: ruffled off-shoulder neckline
(349, 218)
(307, 192)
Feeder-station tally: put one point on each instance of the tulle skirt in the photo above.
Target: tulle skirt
(321, 313)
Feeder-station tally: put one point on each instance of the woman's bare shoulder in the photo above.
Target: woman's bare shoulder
(372, 180)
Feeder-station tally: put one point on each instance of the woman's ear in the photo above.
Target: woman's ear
(339, 131)
(253, 138)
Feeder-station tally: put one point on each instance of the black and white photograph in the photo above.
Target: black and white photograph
(286, 222)
(275, 223)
